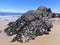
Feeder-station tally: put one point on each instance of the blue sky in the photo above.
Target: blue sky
(24, 5)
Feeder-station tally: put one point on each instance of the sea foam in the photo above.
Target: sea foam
(9, 18)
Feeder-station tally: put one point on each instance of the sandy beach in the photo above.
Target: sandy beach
(52, 39)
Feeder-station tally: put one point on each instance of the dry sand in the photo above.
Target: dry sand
(52, 39)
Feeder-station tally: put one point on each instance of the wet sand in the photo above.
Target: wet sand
(52, 39)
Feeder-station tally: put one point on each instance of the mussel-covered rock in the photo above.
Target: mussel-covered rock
(31, 24)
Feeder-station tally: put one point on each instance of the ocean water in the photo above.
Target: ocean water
(11, 17)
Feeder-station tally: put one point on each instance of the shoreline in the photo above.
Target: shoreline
(52, 39)
(9, 18)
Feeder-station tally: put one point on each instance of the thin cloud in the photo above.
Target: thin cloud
(56, 11)
(11, 10)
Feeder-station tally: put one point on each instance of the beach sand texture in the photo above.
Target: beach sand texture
(52, 39)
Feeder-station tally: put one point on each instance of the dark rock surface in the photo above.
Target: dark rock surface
(31, 24)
